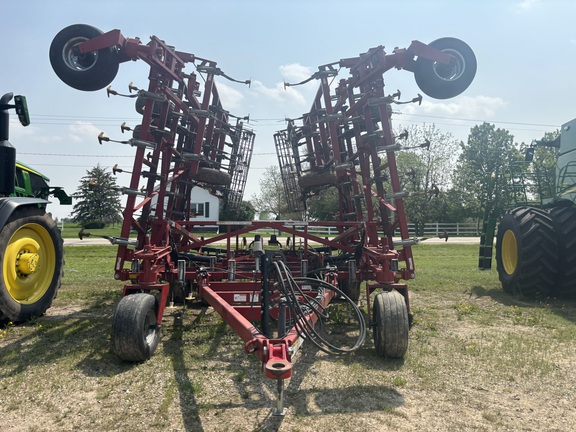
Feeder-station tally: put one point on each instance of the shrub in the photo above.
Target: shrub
(95, 225)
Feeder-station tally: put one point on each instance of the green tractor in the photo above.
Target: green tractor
(536, 236)
(31, 246)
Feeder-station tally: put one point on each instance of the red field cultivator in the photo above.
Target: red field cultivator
(274, 296)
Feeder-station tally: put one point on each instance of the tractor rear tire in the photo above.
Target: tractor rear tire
(32, 264)
(564, 220)
(527, 252)
(86, 72)
(135, 332)
(391, 324)
(441, 81)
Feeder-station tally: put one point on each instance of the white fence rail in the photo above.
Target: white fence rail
(430, 229)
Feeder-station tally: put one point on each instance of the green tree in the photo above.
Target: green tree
(425, 172)
(246, 212)
(271, 201)
(480, 179)
(97, 199)
(324, 206)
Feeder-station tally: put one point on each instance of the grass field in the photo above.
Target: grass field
(477, 360)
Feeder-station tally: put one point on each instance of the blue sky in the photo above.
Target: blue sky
(526, 53)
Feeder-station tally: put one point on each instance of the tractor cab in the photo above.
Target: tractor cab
(566, 168)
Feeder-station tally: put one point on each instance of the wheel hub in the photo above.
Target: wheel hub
(452, 71)
(76, 61)
(27, 263)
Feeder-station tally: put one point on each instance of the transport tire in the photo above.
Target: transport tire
(135, 333)
(312, 180)
(391, 324)
(212, 176)
(32, 264)
(527, 252)
(87, 72)
(441, 81)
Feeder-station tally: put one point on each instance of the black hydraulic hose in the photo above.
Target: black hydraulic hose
(362, 323)
(300, 311)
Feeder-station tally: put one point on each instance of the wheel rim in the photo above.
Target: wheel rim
(29, 263)
(509, 252)
(149, 330)
(78, 62)
(452, 71)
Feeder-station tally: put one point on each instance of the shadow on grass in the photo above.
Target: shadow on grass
(174, 349)
(70, 334)
(215, 341)
(566, 308)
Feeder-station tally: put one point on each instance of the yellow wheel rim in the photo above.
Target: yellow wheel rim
(509, 252)
(29, 263)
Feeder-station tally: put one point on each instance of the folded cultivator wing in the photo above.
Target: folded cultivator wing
(274, 296)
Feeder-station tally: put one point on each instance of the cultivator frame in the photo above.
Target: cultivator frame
(273, 296)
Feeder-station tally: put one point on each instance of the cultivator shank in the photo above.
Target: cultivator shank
(273, 295)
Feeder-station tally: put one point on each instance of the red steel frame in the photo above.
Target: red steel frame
(184, 129)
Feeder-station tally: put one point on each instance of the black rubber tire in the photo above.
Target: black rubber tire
(446, 81)
(89, 72)
(312, 180)
(212, 176)
(527, 252)
(351, 290)
(564, 221)
(391, 324)
(27, 292)
(140, 104)
(135, 333)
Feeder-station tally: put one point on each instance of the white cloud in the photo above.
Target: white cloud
(83, 132)
(295, 72)
(526, 5)
(464, 107)
(291, 73)
(280, 94)
(231, 98)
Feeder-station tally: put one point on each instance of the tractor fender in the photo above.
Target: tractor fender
(9, 204)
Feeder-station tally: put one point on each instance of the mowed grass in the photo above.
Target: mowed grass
(478, 359)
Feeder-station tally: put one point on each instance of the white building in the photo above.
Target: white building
(205, 205)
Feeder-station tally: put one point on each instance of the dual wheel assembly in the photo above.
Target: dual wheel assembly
(536, 251)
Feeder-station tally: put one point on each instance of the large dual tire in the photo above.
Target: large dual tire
(527, 252)
(391, 324)
(564, 221)
(87, 72)
(441, 81)
(32, 254)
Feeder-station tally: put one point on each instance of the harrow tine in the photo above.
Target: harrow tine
(111, 91)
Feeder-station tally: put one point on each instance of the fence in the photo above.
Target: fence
(468, 229)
